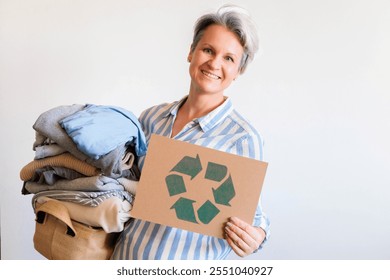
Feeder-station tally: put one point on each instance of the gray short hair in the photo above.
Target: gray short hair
(238, 21)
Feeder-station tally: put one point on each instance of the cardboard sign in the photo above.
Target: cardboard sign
(196, 188)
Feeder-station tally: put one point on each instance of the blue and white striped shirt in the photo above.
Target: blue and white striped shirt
(222, 129)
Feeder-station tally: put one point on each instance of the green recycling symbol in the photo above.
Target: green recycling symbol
(184, 208)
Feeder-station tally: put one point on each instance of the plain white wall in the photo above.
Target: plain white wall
(319, 94)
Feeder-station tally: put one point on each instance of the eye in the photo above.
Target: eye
(229, 58)
(208, 50)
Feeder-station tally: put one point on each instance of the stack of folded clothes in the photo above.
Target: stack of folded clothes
(86, 158)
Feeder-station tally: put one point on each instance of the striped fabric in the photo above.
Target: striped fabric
(222, 129)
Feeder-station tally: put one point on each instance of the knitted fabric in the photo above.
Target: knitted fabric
(65, 160)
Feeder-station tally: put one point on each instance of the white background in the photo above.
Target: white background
(319, 93)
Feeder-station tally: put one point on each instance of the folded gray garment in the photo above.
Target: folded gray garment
(84, 198)
(90, 184)
(51, 174)
(48, 150)
(47, 125)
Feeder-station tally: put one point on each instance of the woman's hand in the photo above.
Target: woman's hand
(243, 237)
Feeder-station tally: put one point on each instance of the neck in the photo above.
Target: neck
(197, 106)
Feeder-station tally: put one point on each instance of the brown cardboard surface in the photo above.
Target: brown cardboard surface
(196, 188)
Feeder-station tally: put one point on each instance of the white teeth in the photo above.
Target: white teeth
(210, 75)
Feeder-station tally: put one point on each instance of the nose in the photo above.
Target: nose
(214, 63)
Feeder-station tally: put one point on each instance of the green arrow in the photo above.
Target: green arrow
(215, 172)
(185, 210)
(189, 166)
(225, 192)
(175, 184)
(207, 212)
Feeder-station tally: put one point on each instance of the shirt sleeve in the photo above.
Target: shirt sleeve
(261, 220)
(253, 147)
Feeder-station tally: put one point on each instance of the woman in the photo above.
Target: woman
(223, 44)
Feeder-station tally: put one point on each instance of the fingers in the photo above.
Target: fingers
(242, 237)
(236, 243)
(246, 230)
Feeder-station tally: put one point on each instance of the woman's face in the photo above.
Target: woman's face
(215, 61)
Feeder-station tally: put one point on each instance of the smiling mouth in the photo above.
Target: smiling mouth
(210, 75)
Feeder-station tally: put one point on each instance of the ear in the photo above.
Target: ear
(189, 57)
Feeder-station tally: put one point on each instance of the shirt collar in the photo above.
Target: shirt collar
(210, 120)
(174, 108)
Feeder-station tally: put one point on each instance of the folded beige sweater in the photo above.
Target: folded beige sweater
(110, 215)
(64, 160)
